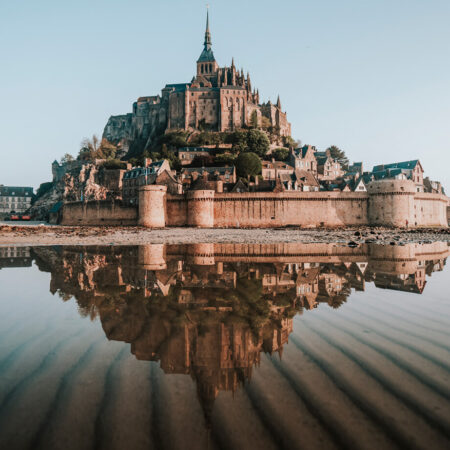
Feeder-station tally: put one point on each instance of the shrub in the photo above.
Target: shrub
(114, 164)
(280, 154)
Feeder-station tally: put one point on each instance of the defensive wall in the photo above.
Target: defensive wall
(392, 203)
(98, 212)
(391, 259)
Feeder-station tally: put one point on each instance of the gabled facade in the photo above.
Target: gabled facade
(271, 170)
(327, 167)
(304, 159)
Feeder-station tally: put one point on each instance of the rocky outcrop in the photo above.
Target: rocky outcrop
(88, 182)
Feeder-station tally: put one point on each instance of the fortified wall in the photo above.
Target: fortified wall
(392, 203)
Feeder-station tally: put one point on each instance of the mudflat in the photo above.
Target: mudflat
(68, 235)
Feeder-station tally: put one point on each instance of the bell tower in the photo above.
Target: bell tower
(206, 64)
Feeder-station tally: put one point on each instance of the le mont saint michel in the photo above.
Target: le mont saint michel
(209, 153)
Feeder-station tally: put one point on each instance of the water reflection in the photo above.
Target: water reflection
(210, 310)
(222, 315)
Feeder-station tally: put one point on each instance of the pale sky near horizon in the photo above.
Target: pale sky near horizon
(370, 76)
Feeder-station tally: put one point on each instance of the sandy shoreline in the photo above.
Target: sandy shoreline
(58, 235)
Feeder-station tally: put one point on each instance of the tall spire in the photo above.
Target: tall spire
(207, 42)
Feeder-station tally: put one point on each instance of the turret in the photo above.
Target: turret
(278, 103)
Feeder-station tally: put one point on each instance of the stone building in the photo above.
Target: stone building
(304, 159)
(158, 172)
(14, 198)
(187, 154)
(216, 99)
(225, 174)
(271, 170)
(409, 170)
(328, 168)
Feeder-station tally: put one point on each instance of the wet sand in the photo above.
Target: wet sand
(51, 235)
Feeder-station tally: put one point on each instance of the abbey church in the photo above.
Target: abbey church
(217, 99)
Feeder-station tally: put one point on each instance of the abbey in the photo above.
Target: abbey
(217, 99)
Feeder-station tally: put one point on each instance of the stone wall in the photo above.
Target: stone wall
(98, 212)
(387, 203)
(430, 210)
(305, 209)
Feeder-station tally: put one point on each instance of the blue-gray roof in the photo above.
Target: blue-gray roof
(207, 55)
(399, 165)
(16, 191)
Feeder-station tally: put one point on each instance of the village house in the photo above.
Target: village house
(300, 180)
(187, 154)
(433, 187)
(225, 174)
(304, 159)
(271, 170)
(327, 167)
(15, 199)
(410, 170)
(157, 172)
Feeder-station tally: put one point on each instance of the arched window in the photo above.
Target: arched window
(201, 68)
(210, 68)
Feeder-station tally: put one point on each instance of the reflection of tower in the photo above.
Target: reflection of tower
(152, 256)
(201, 254)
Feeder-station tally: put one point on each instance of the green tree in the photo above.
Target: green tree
(289, 142)
(66, 158)
(339, 155)
(238, 140)
(254, 119)
(248, 163)
(95, 148)
(257, 142)
(280, 154)
(225, 158)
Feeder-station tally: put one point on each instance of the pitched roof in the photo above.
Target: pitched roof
(220, 170)
(196, 149)
(398, 165)
(305, 177)
(302, 151)
(16, 191)
(275, 165)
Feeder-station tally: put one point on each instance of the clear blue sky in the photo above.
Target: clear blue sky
(370, 76)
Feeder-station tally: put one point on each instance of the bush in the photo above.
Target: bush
(114, 164)
(248, 163)
(225, 158)
(280, 154)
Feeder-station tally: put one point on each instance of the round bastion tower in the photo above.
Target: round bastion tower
(200, 205)
(391, 203)
(152, 208)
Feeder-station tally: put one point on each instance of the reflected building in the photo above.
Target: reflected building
(210, 310)
(15, 257)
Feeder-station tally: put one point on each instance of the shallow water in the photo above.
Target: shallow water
(309, 346)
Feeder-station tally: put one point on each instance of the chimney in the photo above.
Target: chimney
(219, 186)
